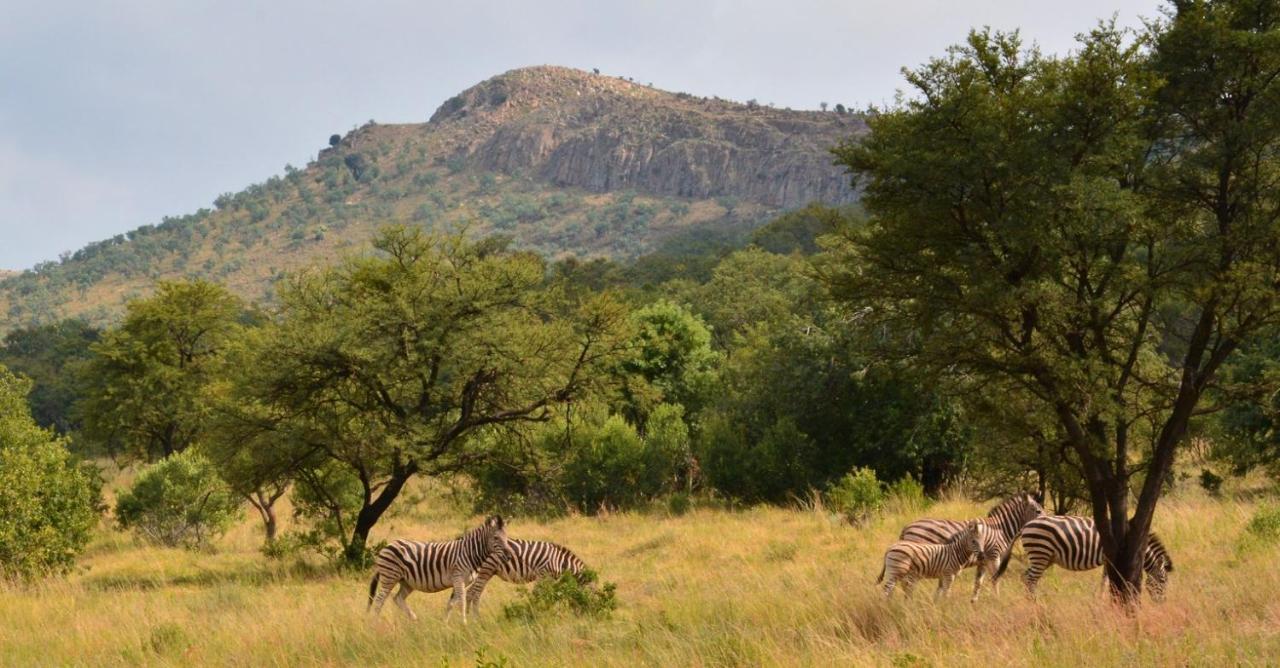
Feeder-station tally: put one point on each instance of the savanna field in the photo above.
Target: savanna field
(713, 587)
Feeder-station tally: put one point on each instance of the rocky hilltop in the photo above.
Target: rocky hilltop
(570, 128)
(561, 160)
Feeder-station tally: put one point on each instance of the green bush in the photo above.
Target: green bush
(179, 502)
(907, 494)
(858, 495)
(48, 502)
(1265, 524)
(567, 593)
(1211, 482)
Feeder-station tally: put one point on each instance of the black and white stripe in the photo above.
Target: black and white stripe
(908, 561)
(1074, 543)
(524, 562)
(1003, 522)
(432, 567)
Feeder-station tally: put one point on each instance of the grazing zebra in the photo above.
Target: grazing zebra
(1074, 543)
(432, 567)
(1004, 522)
(909, 561)
(523, 562)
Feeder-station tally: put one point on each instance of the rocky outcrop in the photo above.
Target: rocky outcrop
(599, 133)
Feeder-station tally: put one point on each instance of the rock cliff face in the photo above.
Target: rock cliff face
(599, 133)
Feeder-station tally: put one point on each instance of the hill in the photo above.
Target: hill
(563, 161)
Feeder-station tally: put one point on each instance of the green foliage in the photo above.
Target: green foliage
(1211, 482)
(798, 231)
(49, 355)
(1265, 524)
(144, 390)
(49, 503)
(858, 496)
(671, 353)
(907, 494)
(569, 593)
(387, 366)
(592, 462)
(178, 501)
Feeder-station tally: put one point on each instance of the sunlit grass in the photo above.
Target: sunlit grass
(762, 586)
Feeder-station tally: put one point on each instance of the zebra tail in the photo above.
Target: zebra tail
(373, 591)
(881, 577)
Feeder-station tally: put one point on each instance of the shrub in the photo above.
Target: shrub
(179, 502)
(567, 593)
(48, 503)
(858, 495)
(1265, 524)
(907, 494)
(1210, 481)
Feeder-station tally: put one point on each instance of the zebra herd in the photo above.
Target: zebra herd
(927, 548)
(466, 564)
(940, 549)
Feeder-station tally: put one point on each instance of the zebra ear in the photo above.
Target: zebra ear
(496, 522)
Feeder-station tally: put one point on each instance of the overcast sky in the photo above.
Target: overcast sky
(113, 114)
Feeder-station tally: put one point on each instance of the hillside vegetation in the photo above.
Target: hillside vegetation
(563, 161)
(759, 587)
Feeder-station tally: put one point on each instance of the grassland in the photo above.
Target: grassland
(763, 586)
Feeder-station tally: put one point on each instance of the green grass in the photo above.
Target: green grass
(764, 586)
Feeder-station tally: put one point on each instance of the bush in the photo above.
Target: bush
(48, 502)
(907, 495)
(858, 495)
(567, 593)
(179, 502)
(1265, 524)
(1210, 481)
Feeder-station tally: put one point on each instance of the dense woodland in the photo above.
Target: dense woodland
(1063, 273)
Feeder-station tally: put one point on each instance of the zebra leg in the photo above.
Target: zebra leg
(977, 581)
(890, 579)
(1031, 577)
(385, 586)
(908, 584)
(944, 585)
(458, 596)
(401, 595)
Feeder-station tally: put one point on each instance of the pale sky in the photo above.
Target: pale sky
(114, 114)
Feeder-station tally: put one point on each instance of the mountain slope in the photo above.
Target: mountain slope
(564, 161)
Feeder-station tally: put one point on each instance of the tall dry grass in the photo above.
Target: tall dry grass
(764, 586)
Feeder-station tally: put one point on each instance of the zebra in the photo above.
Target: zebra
(1074, 543)
(432, 567)
(910, 561)
(522, 563)
(1004, 522)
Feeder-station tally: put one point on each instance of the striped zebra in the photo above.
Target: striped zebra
(432, 567)
(522, 563)
(1004, 522)
(909, 561)
(1074, 543)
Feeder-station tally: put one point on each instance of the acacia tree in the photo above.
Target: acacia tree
(1100, 231)
(386, 365)
(144, 389)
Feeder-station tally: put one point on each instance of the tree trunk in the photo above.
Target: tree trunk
(265, 505)
(370, 512)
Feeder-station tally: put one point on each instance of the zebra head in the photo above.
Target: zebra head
(971, 538)
(495, 530)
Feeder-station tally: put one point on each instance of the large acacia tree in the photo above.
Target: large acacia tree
(1098, 232)
(385, 365)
